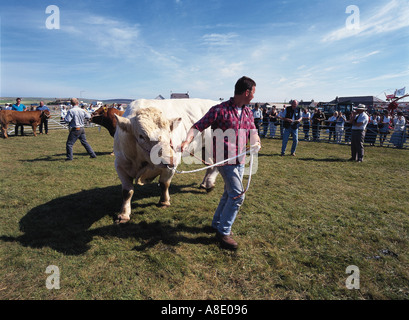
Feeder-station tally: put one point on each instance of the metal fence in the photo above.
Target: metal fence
(326, 134)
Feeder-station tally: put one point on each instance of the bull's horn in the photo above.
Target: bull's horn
(124, 123)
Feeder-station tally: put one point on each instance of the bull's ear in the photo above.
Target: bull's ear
(174, 123)
(124, 123)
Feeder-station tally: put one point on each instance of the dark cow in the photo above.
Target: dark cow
(105, 117)
(28, 118)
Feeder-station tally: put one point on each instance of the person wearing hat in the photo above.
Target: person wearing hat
(359, 123)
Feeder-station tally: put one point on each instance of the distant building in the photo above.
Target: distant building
(159, 97)
(179, 95)
(370, 102)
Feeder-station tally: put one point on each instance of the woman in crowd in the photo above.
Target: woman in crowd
(339, 127)
(265, 121)
(306, 118)
(331, 125)
(273, 121)
(384, 126)
(372, 129)
(398, 137)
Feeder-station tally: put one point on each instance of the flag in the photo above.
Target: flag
(400, 92)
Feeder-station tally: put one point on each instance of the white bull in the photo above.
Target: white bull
(145, 141)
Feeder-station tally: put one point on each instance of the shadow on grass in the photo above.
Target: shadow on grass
(64, 224)
(324, 159)
(63, 156)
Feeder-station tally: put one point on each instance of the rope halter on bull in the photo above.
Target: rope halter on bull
(254, 149)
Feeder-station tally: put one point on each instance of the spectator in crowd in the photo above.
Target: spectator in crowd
(316, 120)
(63, 113)
(359, 123)
(44, 120)
(347, 129)
(384, 126)
(18, 106)
(331, 126)
(257, 115)
(339, 127)
(398, 137)
(372, 129)
(76, 118)
(306, 119)
(273, 121)
(265, 121)
(281, 116)
(291, 123)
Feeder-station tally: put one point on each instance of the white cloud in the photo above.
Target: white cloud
(216, 39)
(391, 17)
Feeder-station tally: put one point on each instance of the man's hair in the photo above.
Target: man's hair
(243, 84)
(74, 101)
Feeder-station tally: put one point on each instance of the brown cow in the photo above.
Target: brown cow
(28, 118)
(106, 117)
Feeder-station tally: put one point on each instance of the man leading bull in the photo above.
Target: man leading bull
(233, 116)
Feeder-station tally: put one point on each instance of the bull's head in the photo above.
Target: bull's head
(45, 114)
(96, 116)
(153, 135)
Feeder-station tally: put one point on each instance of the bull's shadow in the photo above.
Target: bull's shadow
(64, 224)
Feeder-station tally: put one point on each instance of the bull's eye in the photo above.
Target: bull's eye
(141, 137)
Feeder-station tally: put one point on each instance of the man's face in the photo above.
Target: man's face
(294, 104)
(250, 95)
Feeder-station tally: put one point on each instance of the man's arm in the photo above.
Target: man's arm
(189, 139)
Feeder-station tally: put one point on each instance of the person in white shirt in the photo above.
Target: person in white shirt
(359, 122)
(398, 137)
(384, 126)
(257, 115)
(281, 116)
(331, 125)
(306, 118)
(339, 127)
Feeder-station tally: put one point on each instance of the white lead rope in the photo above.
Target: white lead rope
(254, 149)
(208, 167)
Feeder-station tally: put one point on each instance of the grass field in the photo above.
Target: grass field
(304, 221)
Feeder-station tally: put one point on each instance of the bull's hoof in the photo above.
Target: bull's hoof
(207, 189)
(121, 220)
(164, 205)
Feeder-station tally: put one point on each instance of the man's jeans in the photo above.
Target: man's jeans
(73, 137)
(286, 136)
(228, 207)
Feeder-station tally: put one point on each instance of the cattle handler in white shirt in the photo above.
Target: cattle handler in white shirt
(76, 118)
(359, 122)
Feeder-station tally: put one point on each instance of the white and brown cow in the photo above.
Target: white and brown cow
(145, 141)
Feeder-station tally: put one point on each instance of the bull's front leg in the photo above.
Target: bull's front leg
(164, 182)
(127, 193)
(125, 214)
(164, 197)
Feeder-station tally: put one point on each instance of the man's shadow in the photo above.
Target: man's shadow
(64, 224)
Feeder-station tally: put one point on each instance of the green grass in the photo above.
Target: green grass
(304, 221)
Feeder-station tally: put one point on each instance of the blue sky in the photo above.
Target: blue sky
(139, 49)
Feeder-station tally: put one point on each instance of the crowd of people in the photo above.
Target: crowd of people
(338, 126)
